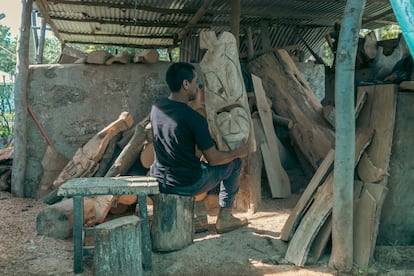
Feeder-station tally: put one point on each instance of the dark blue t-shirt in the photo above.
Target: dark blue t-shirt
(177, 129)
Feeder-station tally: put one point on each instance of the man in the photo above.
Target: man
(177, 130)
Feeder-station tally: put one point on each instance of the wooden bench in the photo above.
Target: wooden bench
(78, 188)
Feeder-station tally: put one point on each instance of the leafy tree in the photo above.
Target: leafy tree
(7, 50)
(51, 51)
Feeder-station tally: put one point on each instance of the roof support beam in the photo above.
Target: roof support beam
(235, 20)
(44, 11)
(343, 187)
(20, 102)
(201, 11)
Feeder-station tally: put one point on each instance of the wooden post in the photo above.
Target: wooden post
(264, 33)
(235, 20)
(118, 247)
(343, 192)
(250, 44)
(172, 222)
(20, 102)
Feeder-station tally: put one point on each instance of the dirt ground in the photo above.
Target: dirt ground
(252, 250)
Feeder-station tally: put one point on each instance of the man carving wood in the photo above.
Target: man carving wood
(177, 130)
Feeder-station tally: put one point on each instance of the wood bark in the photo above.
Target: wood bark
(172, 223)
(118, 247)
(56, 220)
(292, 98)
(131, 151)
(20, 102)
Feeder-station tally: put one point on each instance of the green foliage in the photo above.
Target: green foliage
(7, 50)
(51, 51)
(6, 110)
(390, 32)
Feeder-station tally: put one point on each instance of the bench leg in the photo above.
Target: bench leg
(145, 231)
(77, 234)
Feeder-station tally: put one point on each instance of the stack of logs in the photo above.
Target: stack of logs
(94, 160)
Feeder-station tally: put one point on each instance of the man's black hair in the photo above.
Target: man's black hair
(177, 73)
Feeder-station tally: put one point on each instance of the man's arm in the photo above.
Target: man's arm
(215, 157)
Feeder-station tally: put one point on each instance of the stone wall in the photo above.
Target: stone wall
(76, 101)
(397, 216)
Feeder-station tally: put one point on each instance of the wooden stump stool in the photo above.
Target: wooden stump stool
(118, 247)
(172, 223)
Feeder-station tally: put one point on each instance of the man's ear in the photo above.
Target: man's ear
(185, 84)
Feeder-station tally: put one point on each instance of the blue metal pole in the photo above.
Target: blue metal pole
(343, 206)
(404, 11)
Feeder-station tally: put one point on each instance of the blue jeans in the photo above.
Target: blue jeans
(227, 176)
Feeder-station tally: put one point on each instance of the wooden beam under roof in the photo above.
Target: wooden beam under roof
(197, 16)
(42, 6)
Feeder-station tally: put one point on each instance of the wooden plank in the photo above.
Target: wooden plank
(314, 219)
(366, 222)
(320, 209)
(277, 177)
(109, 186)
(379, 114)
(307, 196)
(320, 242)
(324, 234)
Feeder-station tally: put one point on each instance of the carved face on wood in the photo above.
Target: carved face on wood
(226, 100)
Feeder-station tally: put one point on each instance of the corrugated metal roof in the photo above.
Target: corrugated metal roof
(164, 24)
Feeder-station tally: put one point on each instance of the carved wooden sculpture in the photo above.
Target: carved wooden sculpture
(226, 102)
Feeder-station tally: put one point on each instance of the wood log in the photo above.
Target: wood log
(293, 98)
(147, 56)
(98, 57)
(107, 157)
(85, 161)
(70, 55)
(122, 58)
(52, 163)
(283, 121)
(172, 223)
(130, 152)
(147, 155)
(252, 177)
(118, 247)
(56, 220)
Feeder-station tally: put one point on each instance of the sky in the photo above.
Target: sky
(13, 11)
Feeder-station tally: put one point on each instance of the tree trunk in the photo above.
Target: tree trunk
(118, 247)
(172, 223)
(292, 98)
(56, 220)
